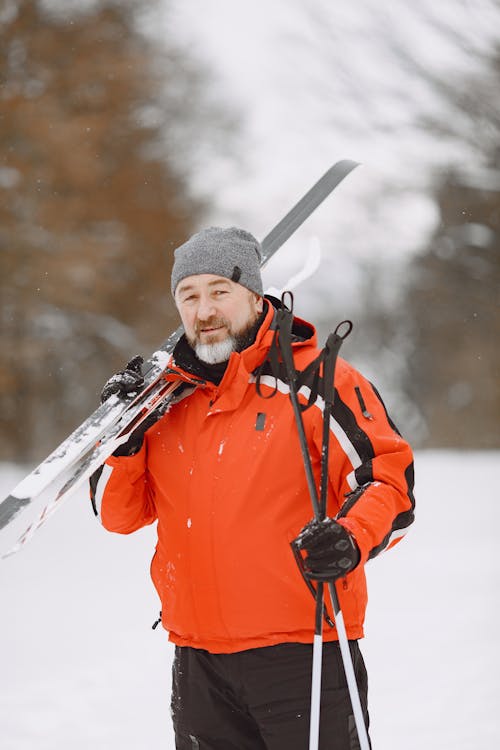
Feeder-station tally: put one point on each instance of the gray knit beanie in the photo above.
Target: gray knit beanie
(232, 253)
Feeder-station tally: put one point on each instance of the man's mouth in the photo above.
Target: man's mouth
(211, 329)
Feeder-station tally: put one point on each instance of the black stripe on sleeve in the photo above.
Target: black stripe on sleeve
(402, 520)
(358, 437)
(379, 397)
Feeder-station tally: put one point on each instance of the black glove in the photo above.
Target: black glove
(331, 550)
(126, 383)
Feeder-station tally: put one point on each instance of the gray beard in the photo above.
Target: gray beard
(220, 351)
(213, 354)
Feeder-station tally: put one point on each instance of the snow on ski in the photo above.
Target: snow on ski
(72, 475)
(40, 493)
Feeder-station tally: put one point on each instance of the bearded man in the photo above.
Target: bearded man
(222, 474)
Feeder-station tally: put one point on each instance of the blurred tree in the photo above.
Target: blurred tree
(432, 328)
(91, 200)
(453, 289)
(446, 320)
(453, 302)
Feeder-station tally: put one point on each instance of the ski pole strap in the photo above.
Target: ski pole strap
(282, 365)
(280, 358)
(283, 338)
(330, 354)
(329, 358)
(276, 366)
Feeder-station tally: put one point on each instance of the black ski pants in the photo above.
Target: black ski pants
(260, 699)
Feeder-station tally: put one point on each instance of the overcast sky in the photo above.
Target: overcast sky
(317, 82)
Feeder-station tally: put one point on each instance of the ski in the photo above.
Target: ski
(71, 464)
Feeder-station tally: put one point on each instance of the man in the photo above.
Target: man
(222, 473)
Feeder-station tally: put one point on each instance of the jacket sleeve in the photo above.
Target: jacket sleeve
(122, 495)
(371, 466)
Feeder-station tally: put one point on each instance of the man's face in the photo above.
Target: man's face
(216, 314)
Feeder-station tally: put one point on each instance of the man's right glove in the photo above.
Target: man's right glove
(127, 383)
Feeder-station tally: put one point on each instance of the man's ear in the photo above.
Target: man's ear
(259, 302)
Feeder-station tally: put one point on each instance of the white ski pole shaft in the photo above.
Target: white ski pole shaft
(352, 685)
(316, 692)
(317, 664)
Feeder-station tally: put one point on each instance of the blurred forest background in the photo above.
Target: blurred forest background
(101, 122)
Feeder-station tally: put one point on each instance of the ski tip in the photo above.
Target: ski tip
(10, 507)
(345, 165)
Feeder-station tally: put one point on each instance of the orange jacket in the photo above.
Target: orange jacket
(222, 473)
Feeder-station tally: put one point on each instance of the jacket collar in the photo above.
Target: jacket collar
(186, 365)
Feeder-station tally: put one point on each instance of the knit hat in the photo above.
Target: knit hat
(232, 253)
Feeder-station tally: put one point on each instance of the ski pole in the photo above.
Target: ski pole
(317, 664)
(320, 513)
(352, 685)
(319, 507)
(284, 326)
(331, 351)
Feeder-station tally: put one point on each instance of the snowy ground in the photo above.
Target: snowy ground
(81, 667)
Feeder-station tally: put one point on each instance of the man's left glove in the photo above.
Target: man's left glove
(331, 550)
(127, 382)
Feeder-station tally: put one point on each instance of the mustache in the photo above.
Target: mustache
(213, 322)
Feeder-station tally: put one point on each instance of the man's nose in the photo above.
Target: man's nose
(206, 308)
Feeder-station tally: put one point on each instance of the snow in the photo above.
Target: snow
(82, 668)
